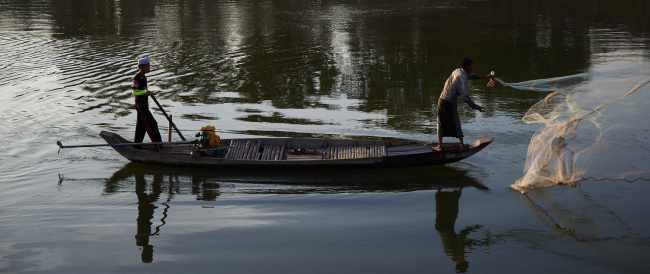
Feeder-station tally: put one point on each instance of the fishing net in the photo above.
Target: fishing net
(595, 126)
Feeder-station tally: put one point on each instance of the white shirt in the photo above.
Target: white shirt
(457, 85)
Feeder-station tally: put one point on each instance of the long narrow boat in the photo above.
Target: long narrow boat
(297, 153)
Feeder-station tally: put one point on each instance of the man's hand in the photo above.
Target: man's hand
(149, 93)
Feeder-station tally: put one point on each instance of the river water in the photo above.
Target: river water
(332, 69)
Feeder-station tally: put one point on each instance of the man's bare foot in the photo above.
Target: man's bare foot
(437, 148)
(428, 144)
(462, 146)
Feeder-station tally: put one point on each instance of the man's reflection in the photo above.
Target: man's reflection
(149, 193)
(453, 243)
(145, 213)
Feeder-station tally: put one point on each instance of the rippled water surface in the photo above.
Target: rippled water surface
(324, 69)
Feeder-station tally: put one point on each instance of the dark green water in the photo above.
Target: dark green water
(361, 69)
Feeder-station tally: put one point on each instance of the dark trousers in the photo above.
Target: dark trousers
(448, 120)
(146, 124)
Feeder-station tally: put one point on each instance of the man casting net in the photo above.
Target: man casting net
(594, 126)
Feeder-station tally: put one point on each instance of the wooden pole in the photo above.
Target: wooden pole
(166, 116)
(169, 129)
(58, 143)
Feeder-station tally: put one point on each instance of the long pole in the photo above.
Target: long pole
(166, 116)
(125, 144)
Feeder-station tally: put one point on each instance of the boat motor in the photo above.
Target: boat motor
(208, 139)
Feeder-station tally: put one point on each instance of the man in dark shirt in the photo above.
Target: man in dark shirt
(145, 123)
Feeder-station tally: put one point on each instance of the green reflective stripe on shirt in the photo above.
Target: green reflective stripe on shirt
(137, 92)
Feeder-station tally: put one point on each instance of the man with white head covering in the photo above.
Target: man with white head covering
(146, 123)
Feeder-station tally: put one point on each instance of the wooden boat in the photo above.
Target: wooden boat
(297, 153)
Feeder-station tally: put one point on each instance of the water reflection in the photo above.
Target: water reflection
(283, 68)
(597, 222)
(146, 209)
(577, 215)
(455, 243)
(210, 184)
(391, 57)
(153, 184)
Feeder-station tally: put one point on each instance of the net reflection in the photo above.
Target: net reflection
(602, 226)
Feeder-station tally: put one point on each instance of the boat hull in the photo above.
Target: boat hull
(301, 153)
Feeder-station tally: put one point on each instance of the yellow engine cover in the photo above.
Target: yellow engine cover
(214, 138)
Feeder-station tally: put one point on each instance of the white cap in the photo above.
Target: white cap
(143, 61)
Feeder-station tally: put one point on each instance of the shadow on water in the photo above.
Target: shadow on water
(155, 186)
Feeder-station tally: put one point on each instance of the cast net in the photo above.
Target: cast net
(595, 126)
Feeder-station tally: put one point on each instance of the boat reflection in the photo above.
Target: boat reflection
(153, 183)
(210, 184)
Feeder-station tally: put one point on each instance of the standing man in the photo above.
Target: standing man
(146, 122)
(456, 85)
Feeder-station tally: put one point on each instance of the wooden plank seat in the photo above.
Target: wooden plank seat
(355, 151)
(254, 150)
